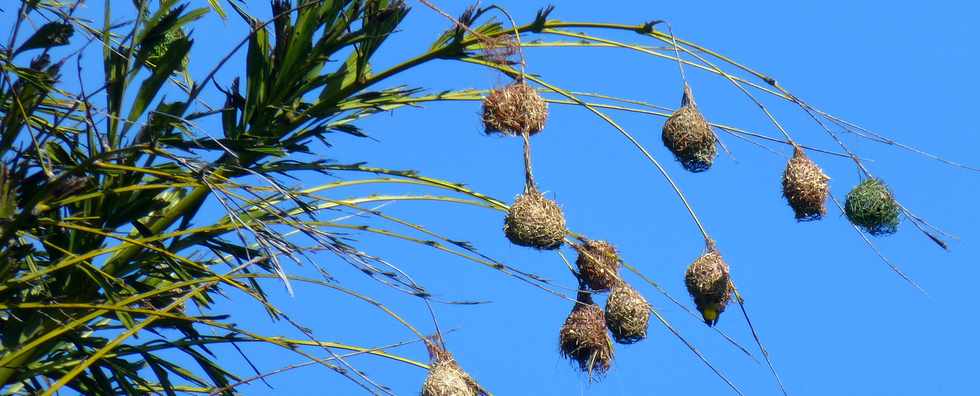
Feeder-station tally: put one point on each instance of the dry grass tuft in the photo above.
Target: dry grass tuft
(627, 314)
(535, 221)
(583, 337)
(707, 280)
(805, 187)
(598, 265)
(514, 110)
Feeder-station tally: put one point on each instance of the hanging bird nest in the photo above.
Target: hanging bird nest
(598, 265)
(498, 49)
(872, 207)
(707, 280)
(627, 314)
(158, 52)
(446, 378)
(688, 135)
(805, 187)
(583, 337)
(162, 300)
(535, 221)
(49, 35)
(514, 109)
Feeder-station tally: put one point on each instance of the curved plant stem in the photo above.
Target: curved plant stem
(758, 341)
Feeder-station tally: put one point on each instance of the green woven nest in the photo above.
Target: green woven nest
(583, 337)
(627, 314)
(707, 280)
(872, 207)
(514, 110)
(446, 378)
(48, 35)
(805, 187)
(688, 135)
(535, 221)
(598, 265)
(159, 51)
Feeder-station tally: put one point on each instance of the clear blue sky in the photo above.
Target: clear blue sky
(835, 319)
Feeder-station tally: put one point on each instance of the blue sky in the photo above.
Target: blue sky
(834, 318)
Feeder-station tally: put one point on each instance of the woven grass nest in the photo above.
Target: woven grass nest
(159, 51)
(514, 110)
(535, 221)
(583, 337)
(805, 187)
(688, 135)
(446, 378)
(598, 265)
(707, 280)
(164, 299)
(627, 314)
(499, 49)
(872, 207)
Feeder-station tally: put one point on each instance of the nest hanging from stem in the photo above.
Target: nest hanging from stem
(583, 337)
(158, 52)
(872, 207)
(627, 314)
(688, 135)
(499, 49)
(533, 220)
(805, 187)
(708, 281)
(445, 377)
(513, 110)
(598, 264)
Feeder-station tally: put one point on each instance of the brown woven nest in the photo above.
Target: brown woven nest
(627, 314)
(805, 187)
(498, 49)
(707, 280)
(598, 265)
(446, 378)
(688, 135)
(583, 337)
(514, 110)
(535, 221)
(164, 299)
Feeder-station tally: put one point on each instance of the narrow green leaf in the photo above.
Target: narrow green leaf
(51, 34)
(216, 6)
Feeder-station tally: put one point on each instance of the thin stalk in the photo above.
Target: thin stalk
(877, 252)
(758, 341)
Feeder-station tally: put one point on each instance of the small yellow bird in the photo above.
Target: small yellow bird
(711, 313)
